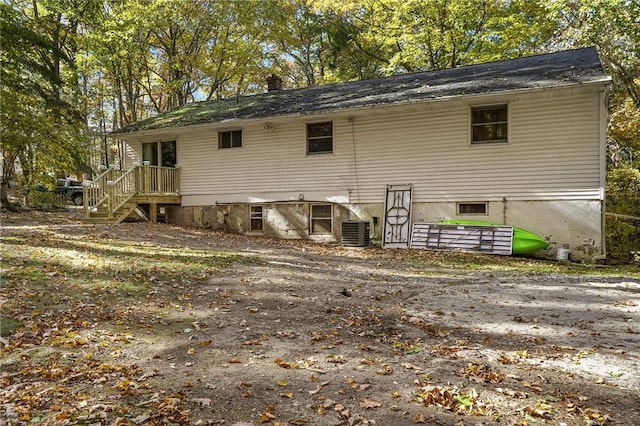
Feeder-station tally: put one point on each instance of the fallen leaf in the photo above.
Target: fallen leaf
(368, 403)
(267, 415)
(318, 388)
(284, 364)
(385, 371)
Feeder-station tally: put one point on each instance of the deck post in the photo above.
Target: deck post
(176, 180)
(146, 178)
(85, 199)
(110, 200)
(153, 212)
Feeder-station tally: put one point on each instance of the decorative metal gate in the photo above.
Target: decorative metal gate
(397, 216)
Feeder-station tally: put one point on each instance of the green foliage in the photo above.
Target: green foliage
(623, 198)
(73, 69)
(45, 200)
(42, 127)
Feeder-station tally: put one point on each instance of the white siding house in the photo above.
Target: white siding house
(519, 142)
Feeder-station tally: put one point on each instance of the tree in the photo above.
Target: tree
(43, 125)
(613, 27)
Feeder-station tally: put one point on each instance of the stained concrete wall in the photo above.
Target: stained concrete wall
(555, 221)
(282, 220)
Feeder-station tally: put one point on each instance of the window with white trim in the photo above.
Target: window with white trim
(230, 139)
(472, 208)
(489, 124)
(256, 218)
(321, 219)
(320, 138)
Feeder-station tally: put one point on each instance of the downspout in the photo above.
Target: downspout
(603, 122)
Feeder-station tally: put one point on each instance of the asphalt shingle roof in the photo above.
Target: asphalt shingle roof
(561, 69)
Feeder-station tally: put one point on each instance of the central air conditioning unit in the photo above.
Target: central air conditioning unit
(355, 234)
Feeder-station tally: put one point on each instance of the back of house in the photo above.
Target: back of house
(518, 142)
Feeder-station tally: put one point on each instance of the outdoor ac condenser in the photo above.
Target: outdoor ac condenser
(355, 234)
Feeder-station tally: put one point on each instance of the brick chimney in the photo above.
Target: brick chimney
(274, 83)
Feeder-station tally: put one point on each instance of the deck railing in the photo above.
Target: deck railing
(113, 188)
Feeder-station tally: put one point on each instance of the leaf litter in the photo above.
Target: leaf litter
(176, 325)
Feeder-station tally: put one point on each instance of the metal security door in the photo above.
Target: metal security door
(397, 216)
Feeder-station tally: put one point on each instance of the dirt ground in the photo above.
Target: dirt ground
(319, 334)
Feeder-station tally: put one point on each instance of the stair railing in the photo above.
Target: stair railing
(121, 190)
(94, 193)
(158, 180)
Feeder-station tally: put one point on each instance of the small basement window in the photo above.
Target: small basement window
(472, 208)
(321, 219)
(489, 124)
(320, 138)
(230, 139)
(256, 218)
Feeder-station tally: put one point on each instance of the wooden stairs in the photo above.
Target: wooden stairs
(138, 192)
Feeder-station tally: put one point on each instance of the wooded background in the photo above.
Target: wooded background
(73, 70)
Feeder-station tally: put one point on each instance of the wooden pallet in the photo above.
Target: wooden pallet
(475, 238)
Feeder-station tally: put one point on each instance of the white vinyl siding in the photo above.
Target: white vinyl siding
(271, 162)
(553, 153)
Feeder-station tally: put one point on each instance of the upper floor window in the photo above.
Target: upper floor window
(230, 139)
(320, 138)
(489, 124)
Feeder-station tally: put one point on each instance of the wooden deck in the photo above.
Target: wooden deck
(116, 194)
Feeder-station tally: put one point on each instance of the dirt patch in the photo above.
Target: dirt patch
(301, 333)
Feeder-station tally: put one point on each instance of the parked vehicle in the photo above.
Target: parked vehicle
(70, 189)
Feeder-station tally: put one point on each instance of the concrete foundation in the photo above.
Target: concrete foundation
(575, 225)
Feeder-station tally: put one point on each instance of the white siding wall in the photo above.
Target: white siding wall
(271, 165)
(553, 153)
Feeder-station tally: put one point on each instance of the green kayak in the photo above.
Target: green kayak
(523, 240)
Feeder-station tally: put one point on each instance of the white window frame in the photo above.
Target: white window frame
(253, 215)
(230, 132)
(459, 208)
(308, 138)
(507, 123)
(313, 219)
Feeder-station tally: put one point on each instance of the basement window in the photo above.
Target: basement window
(472, 209)
(321, 219)
(489, 124)
(230, 139)
(320, 138)
(256, 218)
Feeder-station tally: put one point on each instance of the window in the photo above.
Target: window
(160, 153)
(230, 139)
(321, 222)
(489, 124)
(472, 208)
(320, 138)
(256, 219)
